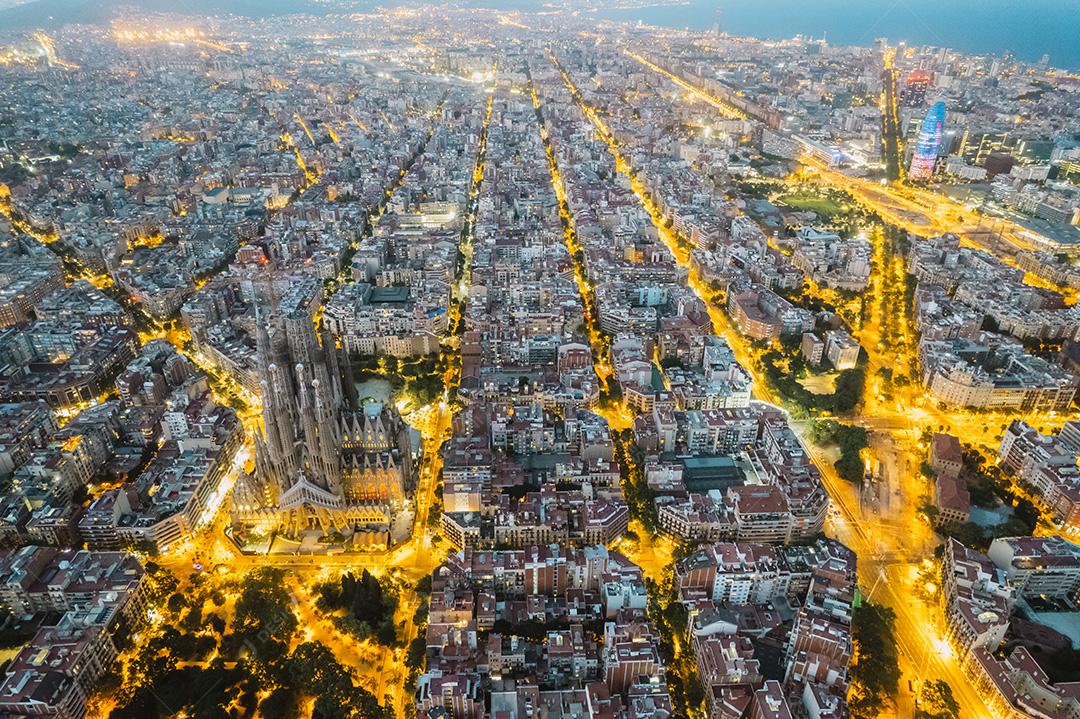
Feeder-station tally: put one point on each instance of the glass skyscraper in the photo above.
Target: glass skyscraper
(928, 144)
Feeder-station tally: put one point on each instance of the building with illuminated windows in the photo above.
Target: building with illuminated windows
(928, 144)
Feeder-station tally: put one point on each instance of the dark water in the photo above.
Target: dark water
(1028, 28)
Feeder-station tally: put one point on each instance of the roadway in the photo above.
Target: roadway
(345, 274)
(885, 548)
(616, 416)
(418, 558)
(891, 135)
(381, 669)
(918, 210)
(726, 109)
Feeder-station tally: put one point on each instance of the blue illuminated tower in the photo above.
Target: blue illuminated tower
(928, 144)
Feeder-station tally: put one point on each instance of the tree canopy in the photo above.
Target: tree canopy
(876, 670)
(936, 701)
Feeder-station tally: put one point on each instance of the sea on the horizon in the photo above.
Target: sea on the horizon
(1027, 28)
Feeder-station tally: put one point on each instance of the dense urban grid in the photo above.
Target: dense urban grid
(441, 362)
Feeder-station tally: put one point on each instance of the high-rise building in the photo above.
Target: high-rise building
(323, 461)
(913, 91)
(928, 144)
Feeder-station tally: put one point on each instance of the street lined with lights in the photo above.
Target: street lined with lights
(458, 361)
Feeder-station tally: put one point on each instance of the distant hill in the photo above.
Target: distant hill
(54, 13)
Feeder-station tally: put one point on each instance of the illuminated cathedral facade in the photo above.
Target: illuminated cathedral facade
(323, 461)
